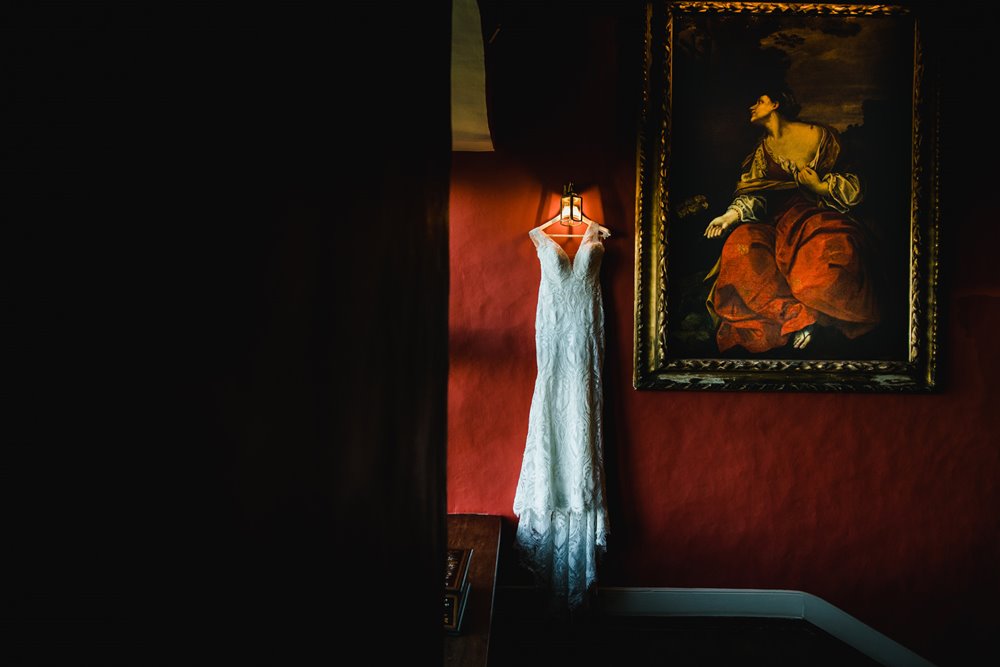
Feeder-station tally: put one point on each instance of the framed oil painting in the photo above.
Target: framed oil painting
(787, 213)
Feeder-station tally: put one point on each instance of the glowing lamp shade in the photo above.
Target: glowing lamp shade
(572, 206)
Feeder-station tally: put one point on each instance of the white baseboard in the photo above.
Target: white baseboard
(752, 603)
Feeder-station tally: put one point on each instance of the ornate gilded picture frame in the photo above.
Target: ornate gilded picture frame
(787, 198)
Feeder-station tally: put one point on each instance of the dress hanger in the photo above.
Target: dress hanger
(601, 229)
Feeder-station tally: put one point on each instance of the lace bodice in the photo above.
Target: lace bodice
(569, 296)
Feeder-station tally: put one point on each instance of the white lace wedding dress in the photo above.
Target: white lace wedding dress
(562, 515)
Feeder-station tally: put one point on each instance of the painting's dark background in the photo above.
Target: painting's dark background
(719, 69)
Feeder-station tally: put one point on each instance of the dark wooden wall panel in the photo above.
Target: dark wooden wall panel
(231, 240)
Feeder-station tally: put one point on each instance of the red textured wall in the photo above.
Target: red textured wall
(887, 506)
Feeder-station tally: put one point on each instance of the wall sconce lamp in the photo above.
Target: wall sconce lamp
(571, 212)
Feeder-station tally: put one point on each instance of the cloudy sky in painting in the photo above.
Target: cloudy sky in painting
(832, 74)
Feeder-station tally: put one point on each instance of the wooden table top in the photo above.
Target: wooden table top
(482, 533)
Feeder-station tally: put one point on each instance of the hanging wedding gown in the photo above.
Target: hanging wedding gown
(560, 503)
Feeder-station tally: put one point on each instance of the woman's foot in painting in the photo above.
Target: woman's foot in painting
(802, 338)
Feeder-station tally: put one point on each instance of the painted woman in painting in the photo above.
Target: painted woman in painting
(795, 258)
